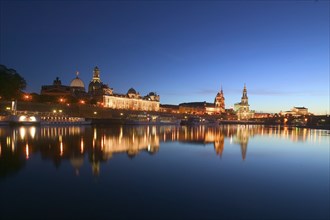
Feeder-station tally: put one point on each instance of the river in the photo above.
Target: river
(164, 172)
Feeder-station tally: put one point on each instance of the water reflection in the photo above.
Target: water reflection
(99, 144)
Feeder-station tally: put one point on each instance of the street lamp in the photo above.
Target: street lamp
(62, 100)
(27, 97)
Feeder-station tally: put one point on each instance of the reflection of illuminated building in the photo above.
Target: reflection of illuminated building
(76, 163)
(242, 138)
(219, 145)
(130, 142)
(96, 168)
(74, 144)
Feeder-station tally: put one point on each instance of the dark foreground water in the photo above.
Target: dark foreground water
(141, 172)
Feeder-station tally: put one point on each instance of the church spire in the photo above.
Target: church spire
(219, 100)
(244, 99)
(96, 75)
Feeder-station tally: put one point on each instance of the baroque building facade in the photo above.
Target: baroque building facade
(101, 94)
(132, 100)
(200, 108)
(219, 101)
(242, 108)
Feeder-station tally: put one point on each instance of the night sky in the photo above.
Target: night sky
(183, 50)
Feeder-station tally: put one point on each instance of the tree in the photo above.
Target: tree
(11, 83)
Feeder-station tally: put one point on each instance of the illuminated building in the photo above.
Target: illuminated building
(219, 101)
(132, 100)
(169, 108)
(96, 88)
(200, 108)
(296, 111)
(300, 110)
(242, 108)
(77, 85)
(101, 93)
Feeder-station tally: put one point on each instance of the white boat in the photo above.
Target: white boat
(24, 119)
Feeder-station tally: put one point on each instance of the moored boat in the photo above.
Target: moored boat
(196, 121)
(145, 119)
(65, 120)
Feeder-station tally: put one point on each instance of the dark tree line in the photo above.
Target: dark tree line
(11, 83)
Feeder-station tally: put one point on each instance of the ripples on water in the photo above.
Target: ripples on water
(230, 172)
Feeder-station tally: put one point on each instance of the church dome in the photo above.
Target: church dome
(131, 91)
(94, 86)
(77, 83)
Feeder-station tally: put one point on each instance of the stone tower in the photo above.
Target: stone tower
(244, 99)
(219, 101)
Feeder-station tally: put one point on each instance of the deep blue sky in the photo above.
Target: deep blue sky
(183, 50)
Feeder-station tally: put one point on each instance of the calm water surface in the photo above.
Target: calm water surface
(149, 172)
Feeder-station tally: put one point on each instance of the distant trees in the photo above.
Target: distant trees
(11, 83)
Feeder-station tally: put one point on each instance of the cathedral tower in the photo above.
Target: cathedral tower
(219, 101)
(96, 75)
(244, 99)
(95, 86)
(242, 108)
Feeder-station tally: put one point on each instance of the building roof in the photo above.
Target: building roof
(77, 82)
(169, 106)
(131, 91)
(302, 108)
(196, 104)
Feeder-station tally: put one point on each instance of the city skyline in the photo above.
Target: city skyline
(184, 51)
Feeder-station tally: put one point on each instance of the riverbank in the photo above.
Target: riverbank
(100, 115)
